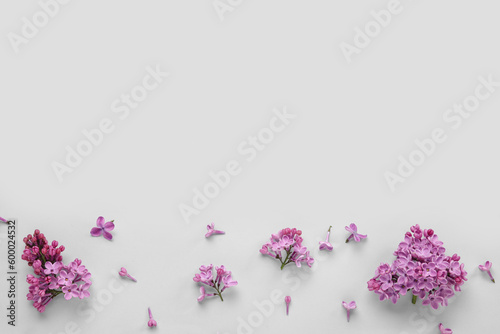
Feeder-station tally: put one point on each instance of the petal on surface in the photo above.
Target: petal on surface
(100, 222)
(107, 235)
(109, 226)
(96, 231)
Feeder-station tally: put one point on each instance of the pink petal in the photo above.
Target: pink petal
(354, 227)
(100, 222)
(107, 235)
(109, 226)
(96, 231)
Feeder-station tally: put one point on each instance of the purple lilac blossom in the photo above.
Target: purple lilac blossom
(422, 267)
(286, 246)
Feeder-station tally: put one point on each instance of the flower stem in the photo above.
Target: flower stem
(220, 295)
(414, 299)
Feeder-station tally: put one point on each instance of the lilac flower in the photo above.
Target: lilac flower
(354, 233)
(52, 268)
(421, 267)
(444, 330)
(286, 246)
(288, 299)
(123, 272)
(211, 230)
(221, 282)
(349, 307)
(83, 290)
(70, 291)
(66, 278)
(433, 300)
(51, 277)
(151, 322)
(326, 245)
(487, 268)
(103, 228)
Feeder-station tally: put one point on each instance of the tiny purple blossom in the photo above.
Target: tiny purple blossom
(444, 330)
(326, 245)
(151, 322)
(288, 299)
(211, 230)
(487, 268)
(52, 268)
(66, 278)
(354, 233)
(103, 228)
(83, 290)
(349, 307)
(70, 291)
(123, 272)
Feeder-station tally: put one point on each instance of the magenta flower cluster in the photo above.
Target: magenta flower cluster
(422, 267)
(219, 283)
(51, 277)
(286, 246)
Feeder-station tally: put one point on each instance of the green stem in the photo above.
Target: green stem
(54, 293)
(284, 262)
(216, 287)
(414, 299)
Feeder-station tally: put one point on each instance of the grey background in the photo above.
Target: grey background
(327, 167)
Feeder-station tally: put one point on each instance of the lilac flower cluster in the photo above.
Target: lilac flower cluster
(220, 283)
(422, 267)
(286, 246)
(52, 277)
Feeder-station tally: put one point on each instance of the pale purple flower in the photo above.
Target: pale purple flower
(52, 269)
(487, 268)
(66, 278)
(288, 299)
(83, 290)
(151, 322)
(326, 245)
(70, 291)
(103, 228)
(211, 230)
(444, 330)
(123, 272)
(354, 233)
(433, 300)
(349, 307)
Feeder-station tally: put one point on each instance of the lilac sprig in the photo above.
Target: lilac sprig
(422, 267)
(286, 246)
(52, 277)
(56, 278)
(221, 282)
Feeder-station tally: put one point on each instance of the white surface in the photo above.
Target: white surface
(327, 167)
